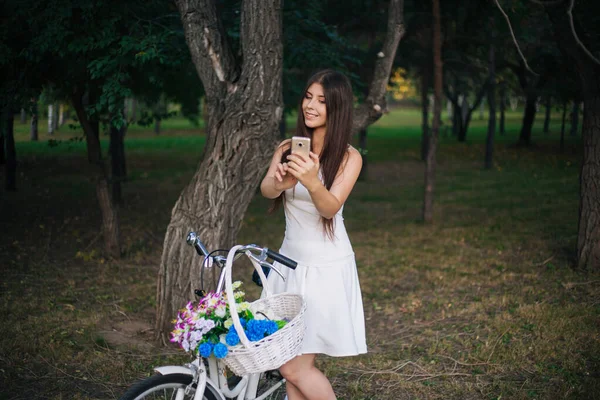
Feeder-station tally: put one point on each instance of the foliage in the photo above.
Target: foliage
(401, 86)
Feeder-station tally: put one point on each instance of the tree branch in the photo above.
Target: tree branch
(515, 39)
(374, 105)
(585, 50)
(208, 45)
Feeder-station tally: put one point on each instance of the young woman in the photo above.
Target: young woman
(313, 190)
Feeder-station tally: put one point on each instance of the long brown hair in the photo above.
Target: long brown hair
(339, 105)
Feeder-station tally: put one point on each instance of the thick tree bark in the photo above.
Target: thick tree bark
(588, 239)
(424, 112)
(9, 149)
(23, 116)
(502, 107)
(33, 133)
(430, 165)
(375, 105)
(244, 107)
(489, 145)
(575, 118)
(547, 116)
(109, 211)
(528, 119)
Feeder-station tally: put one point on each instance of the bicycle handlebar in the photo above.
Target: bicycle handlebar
(193, 240)
(280, 258)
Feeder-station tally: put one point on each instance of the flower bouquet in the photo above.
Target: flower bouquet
(207, 327)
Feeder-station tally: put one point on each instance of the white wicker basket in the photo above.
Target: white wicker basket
(274, 350)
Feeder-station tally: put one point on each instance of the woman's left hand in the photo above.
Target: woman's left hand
(305, 169)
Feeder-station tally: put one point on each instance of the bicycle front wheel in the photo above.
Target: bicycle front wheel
(166, 387)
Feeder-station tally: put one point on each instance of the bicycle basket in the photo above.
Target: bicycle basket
(276, 349)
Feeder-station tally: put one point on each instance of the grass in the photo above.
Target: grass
(483, 304)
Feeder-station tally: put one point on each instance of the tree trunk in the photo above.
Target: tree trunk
(117, 159)
(109, 211)
(375, 104)
(547, 117)
(55, 124)
(482, 110)
(424, 112)
(50, 119)
(575, 118)
(23, 116)
(244, 107)
(562, 127)
(157, 126)
(502, 106)
(362, 145)
(588, 239)
(489, 146)
(528, 118)
(430, 165)
(61, 115)
(33, 133)
(9, 149)
(456, 119)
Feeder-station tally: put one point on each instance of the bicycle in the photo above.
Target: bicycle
(207, 379)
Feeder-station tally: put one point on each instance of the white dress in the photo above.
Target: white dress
(326, 276)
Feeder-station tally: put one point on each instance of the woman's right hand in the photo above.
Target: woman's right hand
(283, 179)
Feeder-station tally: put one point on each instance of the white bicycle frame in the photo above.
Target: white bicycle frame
(215, 377)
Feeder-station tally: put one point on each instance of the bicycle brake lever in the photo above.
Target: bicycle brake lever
(266, 264)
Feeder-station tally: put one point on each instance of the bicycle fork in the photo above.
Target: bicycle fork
(199, 378)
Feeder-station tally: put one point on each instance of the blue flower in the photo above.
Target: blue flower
(271, 327)
(256, 329)
(220, 350)
(232, 338)
(205, 349)
(243, 322)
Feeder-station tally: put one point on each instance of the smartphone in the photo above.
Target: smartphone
(300, 145)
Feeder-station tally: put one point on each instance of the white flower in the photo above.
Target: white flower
(222, 338)
(228, 323)
(186, 345)
(238, 295)
(220, 311)
(236, 284)
(243, 306)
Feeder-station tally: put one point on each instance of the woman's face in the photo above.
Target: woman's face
(313, 107)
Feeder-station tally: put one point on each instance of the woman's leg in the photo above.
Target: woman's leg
(293, 393)
(306, 380)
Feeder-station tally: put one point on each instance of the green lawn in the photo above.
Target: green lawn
(483, 304)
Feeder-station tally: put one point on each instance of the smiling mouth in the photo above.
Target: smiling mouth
(310, 115)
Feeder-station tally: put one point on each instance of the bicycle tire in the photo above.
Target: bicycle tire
(164, 387)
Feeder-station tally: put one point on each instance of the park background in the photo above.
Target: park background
(485, 302)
